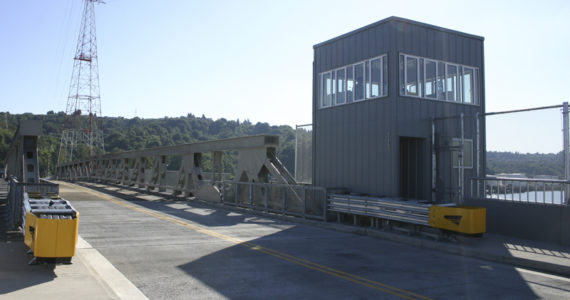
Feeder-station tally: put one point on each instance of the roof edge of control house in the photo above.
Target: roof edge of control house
(402, 20)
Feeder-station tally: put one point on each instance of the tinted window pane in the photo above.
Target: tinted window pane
(421, 78)
(367, 77)
(359, 81)
(333, 80)
(430, 87)
(340, 94)
(468, 85)
(475, 86)
(411, 76)
(375, 69)
(440, 81)
(349, 84)
(402, 79)
(451, 83)
(327, 82)
(321, 91)
(384, 76)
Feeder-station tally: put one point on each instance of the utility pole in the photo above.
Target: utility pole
(82, 133)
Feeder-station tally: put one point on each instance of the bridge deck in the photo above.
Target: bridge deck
(177, 249)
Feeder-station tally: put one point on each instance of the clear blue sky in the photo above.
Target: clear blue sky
(253, 59)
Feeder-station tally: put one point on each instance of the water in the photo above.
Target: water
(548, 197)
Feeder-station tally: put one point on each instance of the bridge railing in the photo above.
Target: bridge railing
(296, 200)
(528, 190)
(17, 189)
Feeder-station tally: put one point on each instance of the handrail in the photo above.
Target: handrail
(526, 190)
(523, 179)
(303, 201)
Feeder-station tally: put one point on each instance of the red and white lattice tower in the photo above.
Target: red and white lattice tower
(82, 134)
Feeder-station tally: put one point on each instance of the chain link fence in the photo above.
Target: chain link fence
(304, 154)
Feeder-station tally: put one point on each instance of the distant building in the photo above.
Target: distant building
(502, 183)
(376, 92)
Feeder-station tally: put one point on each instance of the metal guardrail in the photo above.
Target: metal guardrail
(406, 211)
(15, 215)
(527, 190)
(13, 205)
(295, 200)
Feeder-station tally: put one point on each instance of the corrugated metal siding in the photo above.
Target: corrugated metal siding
(357, 144)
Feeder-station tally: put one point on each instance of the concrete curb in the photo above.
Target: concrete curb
(415, 241)
(111, 276)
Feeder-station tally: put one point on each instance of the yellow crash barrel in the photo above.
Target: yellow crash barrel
(464, 219)
(50, 226)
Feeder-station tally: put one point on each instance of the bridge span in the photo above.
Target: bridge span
(171, 249)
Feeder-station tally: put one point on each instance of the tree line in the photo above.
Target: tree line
(532, 164)
(124, 134)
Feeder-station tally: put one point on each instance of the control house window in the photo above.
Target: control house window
(356, 82)
(411, 75)
(432, 79)
(349, 84)
(359, 82)
(326, 90)
(340, 90)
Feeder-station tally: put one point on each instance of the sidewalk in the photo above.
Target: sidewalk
(87, 277)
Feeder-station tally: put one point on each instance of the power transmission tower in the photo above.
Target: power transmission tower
(82, 133)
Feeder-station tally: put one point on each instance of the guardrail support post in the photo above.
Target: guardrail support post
(284, 201)
(250, 195)
(236, 193)
(304, 202)
(325, 204)
(265, 199)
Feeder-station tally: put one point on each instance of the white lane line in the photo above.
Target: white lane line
(117, 282)
(556, 277)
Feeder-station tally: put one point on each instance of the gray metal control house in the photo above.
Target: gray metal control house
(395, 109)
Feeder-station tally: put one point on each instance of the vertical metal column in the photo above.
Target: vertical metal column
(216, 167)
(461, 161)
(478, 145)
(162, 174)
(433, 162)
(295, 175)
(566, 152)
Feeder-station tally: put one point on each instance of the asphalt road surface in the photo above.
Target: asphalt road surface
(178, 249)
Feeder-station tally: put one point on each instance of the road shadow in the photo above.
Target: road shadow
(199, 212)
(242, 271)
(15, 273)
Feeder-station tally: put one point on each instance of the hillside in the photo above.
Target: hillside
(123, 134)
(530, 164)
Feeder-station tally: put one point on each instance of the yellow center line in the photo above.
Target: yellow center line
(290, 258)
